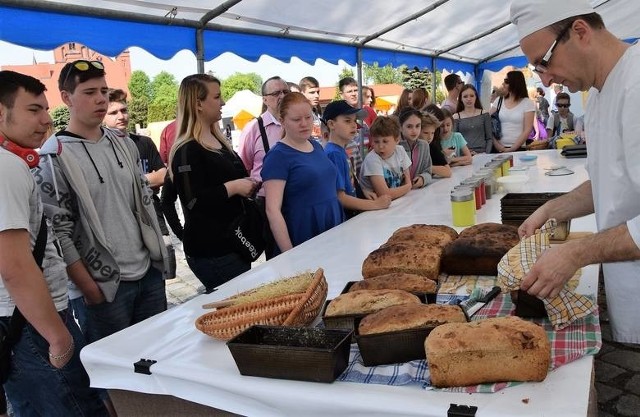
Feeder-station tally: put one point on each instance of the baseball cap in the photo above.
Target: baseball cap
(337, 108)
(530, 16)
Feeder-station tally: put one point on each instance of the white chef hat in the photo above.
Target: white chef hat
(532, 15)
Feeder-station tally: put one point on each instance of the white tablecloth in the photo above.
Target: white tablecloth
(195, 367)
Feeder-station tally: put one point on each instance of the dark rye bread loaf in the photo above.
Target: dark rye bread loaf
(478, 249)
(410, 316)
(492, 350)
(400, 281)
(403, 257)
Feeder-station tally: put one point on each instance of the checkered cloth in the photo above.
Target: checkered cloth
(580, 338)
(563, 309)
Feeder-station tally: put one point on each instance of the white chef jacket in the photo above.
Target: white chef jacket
(612, 124)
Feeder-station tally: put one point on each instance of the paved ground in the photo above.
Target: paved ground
(617, 372)
(617, 366)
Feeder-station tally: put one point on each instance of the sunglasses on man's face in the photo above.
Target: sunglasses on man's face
(563, 106)
(82, 66)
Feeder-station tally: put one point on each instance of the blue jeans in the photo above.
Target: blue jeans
(135, 301)
(79, 309)
(36, 388)
(215, 271)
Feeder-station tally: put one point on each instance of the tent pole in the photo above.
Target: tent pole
(434, 99)
(200, 50)
(360, 101)
(359, 74)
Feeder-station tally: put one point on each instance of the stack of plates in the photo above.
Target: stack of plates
(516, 207)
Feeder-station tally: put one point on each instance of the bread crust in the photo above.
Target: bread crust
(492, 350)
(418, 258)
(478, 249)
(400, 281)
(410, 316)
(432, 234)
(367, 301)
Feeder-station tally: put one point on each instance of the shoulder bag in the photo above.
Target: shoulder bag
(245, 232)
(496, 125)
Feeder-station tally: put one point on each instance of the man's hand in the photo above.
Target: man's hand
(553, 269)
(534, 222)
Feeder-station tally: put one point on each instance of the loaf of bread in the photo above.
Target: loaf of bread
(368, 301)
(417, 258)
(478, 249)
(435, 235)
(487, 351)
(400, 281)
(410, 316)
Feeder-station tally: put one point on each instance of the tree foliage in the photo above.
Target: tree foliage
(60, 117)
(416, 77)
(164, 98)
(140, 85)
(138, 110)
(375, 74)
(162, 79)
(241, 81)
(163, 106)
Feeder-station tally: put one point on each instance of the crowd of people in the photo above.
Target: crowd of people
(84, 248)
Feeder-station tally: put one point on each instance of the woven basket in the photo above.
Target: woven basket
(287, 310)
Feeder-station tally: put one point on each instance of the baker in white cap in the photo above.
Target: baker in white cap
(567, 43)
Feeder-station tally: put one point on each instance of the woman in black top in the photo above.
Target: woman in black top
(210, 179)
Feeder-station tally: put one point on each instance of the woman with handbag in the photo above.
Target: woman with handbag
(516, 114)
(299, 179)
(211, 182)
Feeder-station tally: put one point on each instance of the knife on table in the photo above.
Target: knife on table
(474, 303)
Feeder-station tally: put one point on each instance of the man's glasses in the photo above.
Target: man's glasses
(543, 65)
(82, 66)
(563, 106)
(277, 93)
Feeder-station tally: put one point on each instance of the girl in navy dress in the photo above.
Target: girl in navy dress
(300, 182)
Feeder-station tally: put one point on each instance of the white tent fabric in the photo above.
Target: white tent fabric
(459, 35)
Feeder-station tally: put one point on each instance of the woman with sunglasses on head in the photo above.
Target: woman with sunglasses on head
(516, 113)
(472, 121)
(210, 180)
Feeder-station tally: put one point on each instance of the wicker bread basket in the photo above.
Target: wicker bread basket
(287, 310)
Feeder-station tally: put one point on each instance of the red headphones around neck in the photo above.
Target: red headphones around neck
(28, 155)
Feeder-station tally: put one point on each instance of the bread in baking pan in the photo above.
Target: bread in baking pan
(436, 235)
(478, 249)
(492, 350)
(368, 301)
(410, 316)
(397, 281)
(417, 258)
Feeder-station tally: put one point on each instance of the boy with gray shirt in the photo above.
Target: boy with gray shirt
(45, 374)
(101, 208)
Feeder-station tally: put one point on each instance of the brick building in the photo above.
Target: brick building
(118, 70)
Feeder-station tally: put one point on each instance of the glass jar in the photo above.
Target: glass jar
(478, 190)
(463, 207)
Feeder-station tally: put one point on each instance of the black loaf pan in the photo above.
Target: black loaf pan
(298, 353)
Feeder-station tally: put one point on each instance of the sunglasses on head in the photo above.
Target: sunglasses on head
(82, 66)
